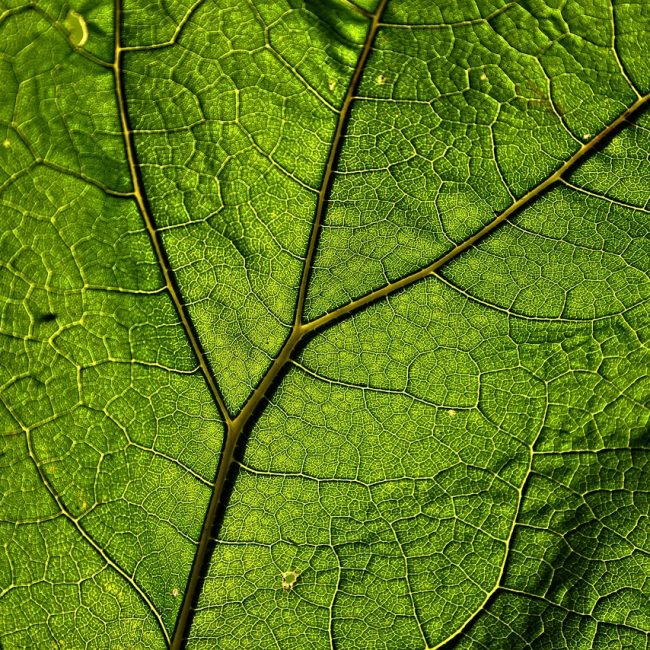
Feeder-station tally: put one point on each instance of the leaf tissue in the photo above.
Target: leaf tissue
(324, 324)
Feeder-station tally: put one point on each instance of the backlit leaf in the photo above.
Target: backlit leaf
(324, 324)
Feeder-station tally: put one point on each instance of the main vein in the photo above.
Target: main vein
(154, 236)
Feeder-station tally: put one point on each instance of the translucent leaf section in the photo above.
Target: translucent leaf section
(583, 539)
(461, 465)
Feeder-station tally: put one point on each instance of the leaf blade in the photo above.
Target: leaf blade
(449, 452)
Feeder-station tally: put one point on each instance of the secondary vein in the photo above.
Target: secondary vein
(154, 236)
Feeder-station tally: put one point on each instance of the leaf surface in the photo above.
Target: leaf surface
(324, 325)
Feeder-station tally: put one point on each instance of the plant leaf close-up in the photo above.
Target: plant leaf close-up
(324, 324)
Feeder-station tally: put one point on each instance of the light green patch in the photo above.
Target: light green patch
(289, 579)
(77, 27)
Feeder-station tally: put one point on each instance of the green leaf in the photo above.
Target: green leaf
(324, 324)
